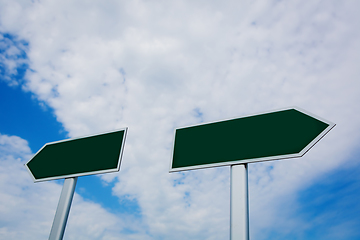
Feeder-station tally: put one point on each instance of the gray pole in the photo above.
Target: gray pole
(63, 209)
(239, 207)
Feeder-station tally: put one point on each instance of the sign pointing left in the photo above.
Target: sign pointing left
(72, 158)
(78, 157)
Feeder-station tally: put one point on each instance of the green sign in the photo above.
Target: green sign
(78, 157)
(281, 134)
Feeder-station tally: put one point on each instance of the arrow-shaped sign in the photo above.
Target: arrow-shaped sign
(286, 133)
(78, 157)
(281, 134)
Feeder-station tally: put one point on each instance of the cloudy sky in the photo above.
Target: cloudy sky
(74, 68)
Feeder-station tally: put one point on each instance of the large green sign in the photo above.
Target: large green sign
(78, 157)
(274, 135)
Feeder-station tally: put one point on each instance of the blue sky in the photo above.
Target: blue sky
(69, 70)
(328, 203)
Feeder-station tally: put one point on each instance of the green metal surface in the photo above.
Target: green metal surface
(266, 135)
(81, 156)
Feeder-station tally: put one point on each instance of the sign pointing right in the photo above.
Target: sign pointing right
(275, 135)
(286, 133)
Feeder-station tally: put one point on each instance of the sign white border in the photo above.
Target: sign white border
(86, 173)
(229, 163)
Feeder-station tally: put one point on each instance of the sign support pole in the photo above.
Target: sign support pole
(239, 206)
(63, 209)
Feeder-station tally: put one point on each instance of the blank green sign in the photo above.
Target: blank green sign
(246, 139)
(82, 156)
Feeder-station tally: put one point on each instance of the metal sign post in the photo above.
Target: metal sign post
(283, 134)
(72, 158)
(239, 203)
(63, 209)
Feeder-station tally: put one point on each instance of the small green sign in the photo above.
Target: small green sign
(78, 157)
(281, 134)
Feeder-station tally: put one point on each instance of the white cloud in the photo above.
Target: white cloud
(150, 65)
(21, 202)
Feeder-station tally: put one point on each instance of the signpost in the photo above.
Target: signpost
(72, 158)
(283, 134)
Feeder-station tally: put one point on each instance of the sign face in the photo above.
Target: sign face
(286, 133)
(78, 157)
